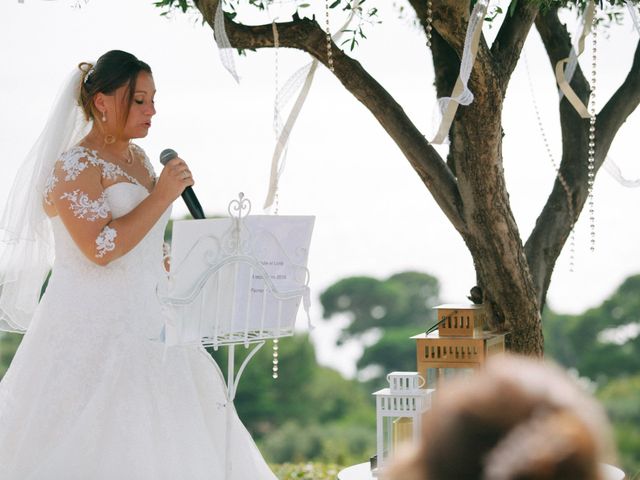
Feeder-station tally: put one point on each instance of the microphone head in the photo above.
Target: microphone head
(167, 154)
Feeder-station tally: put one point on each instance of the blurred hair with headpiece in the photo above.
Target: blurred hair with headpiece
(516, 419)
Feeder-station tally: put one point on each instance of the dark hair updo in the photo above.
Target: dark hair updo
(113, 70)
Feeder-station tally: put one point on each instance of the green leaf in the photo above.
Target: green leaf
(303, 5)
(334, 4)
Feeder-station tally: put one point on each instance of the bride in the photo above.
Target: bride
(90, 394)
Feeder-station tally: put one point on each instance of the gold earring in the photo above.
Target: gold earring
(104, 116)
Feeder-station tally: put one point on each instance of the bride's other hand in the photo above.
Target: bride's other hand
(174, 178)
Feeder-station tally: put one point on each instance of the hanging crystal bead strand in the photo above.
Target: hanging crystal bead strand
(276, 72)
(429, 23)
(276, 39)
(276, 109)
(328, 33)
(592, 136)
(561, 179)
(275, 358)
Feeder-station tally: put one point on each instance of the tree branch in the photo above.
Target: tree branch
(622, 103)
(513, 32)
(554, 224)
(305, 34)
(450, 20)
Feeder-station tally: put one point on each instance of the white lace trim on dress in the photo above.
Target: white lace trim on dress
(48, 188)
(78, 158)
(83, 207)
(105, 241)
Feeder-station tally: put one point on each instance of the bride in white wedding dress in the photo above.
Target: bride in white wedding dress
(89, 395)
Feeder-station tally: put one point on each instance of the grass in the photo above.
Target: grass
(306, 471)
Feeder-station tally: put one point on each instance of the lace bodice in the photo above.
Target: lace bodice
(75, 160)
(121, 197)
(127, 280)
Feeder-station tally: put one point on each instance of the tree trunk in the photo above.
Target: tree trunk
(475, 156)
(491, 232)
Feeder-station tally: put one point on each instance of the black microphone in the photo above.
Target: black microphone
(188, 195)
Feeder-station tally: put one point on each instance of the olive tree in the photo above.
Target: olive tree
(469, 184)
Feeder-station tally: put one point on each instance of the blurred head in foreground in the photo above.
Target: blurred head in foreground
(516, 419)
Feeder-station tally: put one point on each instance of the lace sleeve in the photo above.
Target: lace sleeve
(76, 190)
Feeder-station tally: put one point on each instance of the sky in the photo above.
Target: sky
(373, 215)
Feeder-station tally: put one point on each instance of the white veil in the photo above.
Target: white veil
(26, 240)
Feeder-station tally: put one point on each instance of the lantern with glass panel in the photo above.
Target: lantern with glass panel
(399, 410)
(458, 346)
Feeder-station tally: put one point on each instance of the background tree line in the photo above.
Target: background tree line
(312, 413)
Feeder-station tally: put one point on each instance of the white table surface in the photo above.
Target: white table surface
(609, 472)
(362, 471)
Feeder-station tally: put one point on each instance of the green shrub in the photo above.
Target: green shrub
(332, 443)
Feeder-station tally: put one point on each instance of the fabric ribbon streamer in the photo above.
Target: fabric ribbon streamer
(224, 46)
(287, 90)
(461, 95)
(283, 137)
(277, 120)
(306, 303)
(609, 165)
(303, 76)
(635, 17)
(561, 75)
(570, 69)
(614, 170)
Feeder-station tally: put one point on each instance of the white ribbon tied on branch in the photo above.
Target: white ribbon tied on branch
(303, 77)
(570, 69)
(284, 95)
(635, 17)
(614, 170)
(564, 78)
(461, 94)
(610, 165)
(224, 46)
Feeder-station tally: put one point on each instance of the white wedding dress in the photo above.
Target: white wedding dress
(90, 396)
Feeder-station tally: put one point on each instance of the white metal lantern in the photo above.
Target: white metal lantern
(399, 410)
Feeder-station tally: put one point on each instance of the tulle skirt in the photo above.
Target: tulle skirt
(89, 396)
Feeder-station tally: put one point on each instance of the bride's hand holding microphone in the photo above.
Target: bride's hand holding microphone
(175, 180)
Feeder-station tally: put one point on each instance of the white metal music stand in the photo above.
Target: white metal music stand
(236, 281)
